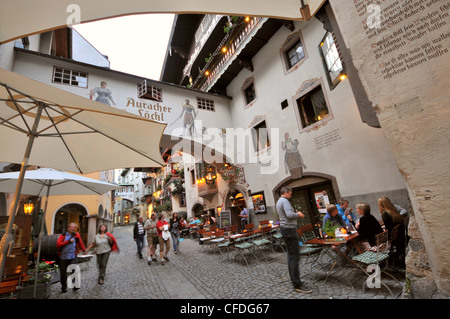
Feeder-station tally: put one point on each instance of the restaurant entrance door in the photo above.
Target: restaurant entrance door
(312, 201)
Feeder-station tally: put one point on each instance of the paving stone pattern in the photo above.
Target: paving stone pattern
(194, 273)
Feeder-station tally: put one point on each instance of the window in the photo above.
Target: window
(205, 104)
(250, 93)
(312, 107)
(70, 77)
(147, 91)
(331, 59)
(183, 199)
(295, 54)
(260, 136)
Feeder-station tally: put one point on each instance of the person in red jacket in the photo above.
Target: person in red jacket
(68, 244)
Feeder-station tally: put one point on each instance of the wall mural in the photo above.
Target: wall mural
(292, 157)
(103, 94)
(189, 114)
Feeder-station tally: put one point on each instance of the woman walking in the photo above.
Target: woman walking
(103, 243)
(175, 231)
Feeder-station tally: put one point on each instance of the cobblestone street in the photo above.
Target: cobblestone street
(197, 274)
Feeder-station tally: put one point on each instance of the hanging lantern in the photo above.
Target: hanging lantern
(210, 175)
(28, 208)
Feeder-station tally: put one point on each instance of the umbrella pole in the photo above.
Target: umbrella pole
(7, 241)
(41, 235)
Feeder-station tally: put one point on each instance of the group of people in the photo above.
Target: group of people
(366, 224)
(341, 215)
(159, 231)
(70, 244)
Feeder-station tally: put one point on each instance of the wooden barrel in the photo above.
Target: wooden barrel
(48, 247)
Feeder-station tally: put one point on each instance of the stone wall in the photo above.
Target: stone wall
(403, 64)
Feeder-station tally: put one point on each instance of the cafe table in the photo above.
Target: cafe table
(332, 248)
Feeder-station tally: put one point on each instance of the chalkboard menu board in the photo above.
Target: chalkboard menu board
(225, 218)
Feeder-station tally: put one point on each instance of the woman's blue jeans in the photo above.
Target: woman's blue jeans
(293, 253)
(176, 241)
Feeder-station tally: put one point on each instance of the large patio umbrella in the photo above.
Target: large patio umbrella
(44, 15)
(43, 126)
(47, 182)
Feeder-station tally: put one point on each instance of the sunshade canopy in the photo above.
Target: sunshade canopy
(37, 181)
(43, 15)
(74, 133)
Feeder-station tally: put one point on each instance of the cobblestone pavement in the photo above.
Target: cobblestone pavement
(194, 273)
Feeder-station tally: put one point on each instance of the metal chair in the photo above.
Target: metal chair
(244, 246)
(311, 252)
(263, 240)
(378, 257)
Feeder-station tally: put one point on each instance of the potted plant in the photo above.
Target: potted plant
(43, 287)
(329, 228)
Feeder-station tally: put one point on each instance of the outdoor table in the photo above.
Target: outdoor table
(85, 259)
(347, 240)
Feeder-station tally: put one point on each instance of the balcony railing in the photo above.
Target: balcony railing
(234, 42)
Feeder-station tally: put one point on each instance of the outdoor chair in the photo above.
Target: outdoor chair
(397, 249)
(217, 239)
(244, 247)
(232, 229)
(277, 240)
(204, 239)
(311, 252)
(261, 242)
(378, 257)
(264, 223)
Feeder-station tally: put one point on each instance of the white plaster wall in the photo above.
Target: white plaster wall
(124, 92)
(360, 160)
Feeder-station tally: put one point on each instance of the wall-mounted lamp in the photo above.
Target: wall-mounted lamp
(28, 208)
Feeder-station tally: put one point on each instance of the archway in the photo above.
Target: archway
(197, 210)
(71, 213)
(311, 193)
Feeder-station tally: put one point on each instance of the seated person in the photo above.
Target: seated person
(368, 227)
(346, 213)
(195, 222)
(392, 216)
(334, 216)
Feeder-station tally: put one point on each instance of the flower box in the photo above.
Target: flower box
(43, 291)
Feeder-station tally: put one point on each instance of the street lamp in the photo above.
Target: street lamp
(28, 208)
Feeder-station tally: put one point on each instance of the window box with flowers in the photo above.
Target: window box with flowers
(48, 273)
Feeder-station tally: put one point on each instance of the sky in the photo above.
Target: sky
(134, 44)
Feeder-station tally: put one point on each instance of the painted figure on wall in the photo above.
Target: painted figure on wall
(189, 114)
(104, 94)
(292, 157)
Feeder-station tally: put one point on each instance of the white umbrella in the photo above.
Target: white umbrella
(43, 126)
(50, 182)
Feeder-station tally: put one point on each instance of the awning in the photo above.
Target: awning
(20, 18)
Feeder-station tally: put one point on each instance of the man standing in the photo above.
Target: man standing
(68, 245)
(138, 235)
(244, 216)
(152, 238)
(288, 228)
